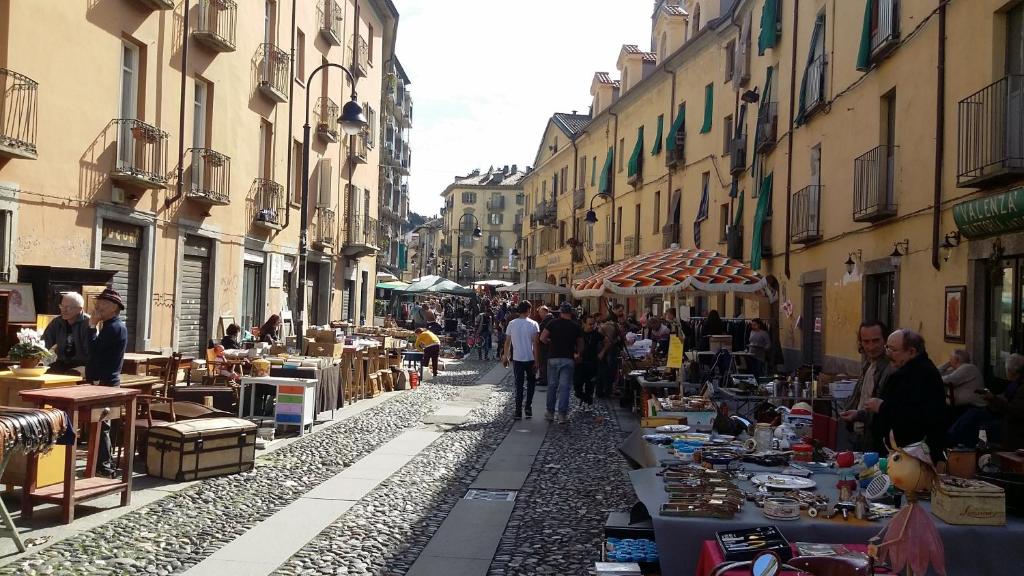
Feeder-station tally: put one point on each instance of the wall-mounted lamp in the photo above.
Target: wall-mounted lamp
(897, 257)
(952, 240)
(850, 263)
(750, 96)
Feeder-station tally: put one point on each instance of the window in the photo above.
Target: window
(6, 244)
(621, 151)
(543, 190)
(657, 211)
(696, 20)
(880, 297)
(520, 199)
(371, 127)
(492, 265)
(561, 234)
(199, 115)
(266, 159)
(519, 219)
(593, 170)
(469, 197)
(300, 56)
(297, 172)
(565, 179)
(494, 218)
(663, 47)
(582, 178)
(369, 44)
(727, 135)
(730, 59)
(129, 101)
(618, 226)
(554, 184)
(812, 85)
(493, 240)
(723, 222)
(270, 22)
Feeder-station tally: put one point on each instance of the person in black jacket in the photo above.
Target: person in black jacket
(913, 403)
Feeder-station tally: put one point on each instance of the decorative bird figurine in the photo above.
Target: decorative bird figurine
(910, 540)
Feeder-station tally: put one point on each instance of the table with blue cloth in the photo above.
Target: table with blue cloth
(969, 549)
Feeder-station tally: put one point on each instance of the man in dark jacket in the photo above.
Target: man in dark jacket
(70, 333)
(913, 404)
(106, 355)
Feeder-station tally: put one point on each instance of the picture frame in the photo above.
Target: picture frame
(954, 318)
(21, 306)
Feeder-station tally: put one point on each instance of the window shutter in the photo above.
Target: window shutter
(769, 35)
(325, 177)
(658, 135)
(709, 105)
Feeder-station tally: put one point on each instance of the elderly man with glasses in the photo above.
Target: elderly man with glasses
(69, 335)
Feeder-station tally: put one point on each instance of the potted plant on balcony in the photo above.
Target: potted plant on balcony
(30, 350)
(147, 133)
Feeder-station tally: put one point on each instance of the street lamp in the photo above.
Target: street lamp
(352, 122)
(591, 218)
(477, 233)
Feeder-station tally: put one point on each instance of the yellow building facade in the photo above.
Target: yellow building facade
(827, 137)
(186, 184)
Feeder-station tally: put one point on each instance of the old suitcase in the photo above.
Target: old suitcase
(196, 449)
(972, 502)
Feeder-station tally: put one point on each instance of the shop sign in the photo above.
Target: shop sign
(991, 215)
(118, 234)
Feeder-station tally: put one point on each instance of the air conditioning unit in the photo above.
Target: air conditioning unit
(117, 195)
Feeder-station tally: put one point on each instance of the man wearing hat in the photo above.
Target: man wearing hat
(106, 355)
(564, 340)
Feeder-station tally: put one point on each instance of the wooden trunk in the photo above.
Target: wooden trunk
(197, 449)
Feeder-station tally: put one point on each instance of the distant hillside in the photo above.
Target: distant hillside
(416, 220)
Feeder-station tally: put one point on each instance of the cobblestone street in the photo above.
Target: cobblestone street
(567, 488)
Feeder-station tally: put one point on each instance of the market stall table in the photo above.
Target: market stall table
(51, 464)
(83, 404)
(144, 384)
(711, 556)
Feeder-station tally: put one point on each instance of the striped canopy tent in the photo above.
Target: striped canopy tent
(672, 271)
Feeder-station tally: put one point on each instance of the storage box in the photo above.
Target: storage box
(841, 388)
(968, 502)
(738, 545)
(197, 449)
(328, 349)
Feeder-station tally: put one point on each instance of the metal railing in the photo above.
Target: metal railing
(738, 155)
(329, 15)
(158, 4)
(991, 133)
(325, 226)
(630, 246)
(494, 251)
(19, 102)
(602, 253)
(579, 197)
(210, 176)
(141, 153)
(269, 199)
(675, 152)
(767, 127)
(496, 203)
(814, 95)
(874, 184)
(216, 23)
(325, 115)
(359, 56)
(669, 234)
(546, 213)
(362, 230)
(272, 71)
(885, 34)
(805, 226)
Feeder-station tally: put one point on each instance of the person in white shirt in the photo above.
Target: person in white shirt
(521, 349)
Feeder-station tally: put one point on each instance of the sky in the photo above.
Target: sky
(487, 75)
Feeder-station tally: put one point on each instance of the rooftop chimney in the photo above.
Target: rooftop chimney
(515, 169)
(504, 169)
(573, 112)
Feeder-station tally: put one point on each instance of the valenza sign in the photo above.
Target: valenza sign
(991, 215)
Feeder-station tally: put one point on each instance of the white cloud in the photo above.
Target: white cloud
(487, 75)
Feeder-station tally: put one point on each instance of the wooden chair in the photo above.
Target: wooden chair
(169, 375)
(150, 411)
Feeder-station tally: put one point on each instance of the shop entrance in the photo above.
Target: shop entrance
(1004, 317)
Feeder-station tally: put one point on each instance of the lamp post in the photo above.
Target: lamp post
(477, 233)
(352, 122)
(591, 219)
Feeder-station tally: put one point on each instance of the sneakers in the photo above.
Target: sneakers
(529, 412)
(549, 416)
(562, 418)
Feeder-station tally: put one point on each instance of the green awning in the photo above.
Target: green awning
(636, 159)
(709, 108)
(864, 52)
(763, 202)
(762, 109)
(395, 285)
(678, 125)
(657, 137)
(819, 23)
(606, 171)
(769, 35)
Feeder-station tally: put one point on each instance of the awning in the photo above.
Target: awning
(769, 35)
(678, 130)
(657, 136)
(636, 159)
(394, 285)
(864, 51)
(709, 108)
(606, 171)
(763, 201)
(990, 215)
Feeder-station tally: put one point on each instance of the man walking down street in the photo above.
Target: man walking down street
(563, 338)
(70, 333)
(106, 356)
(587, 370)
(484, 320)
(521, 349)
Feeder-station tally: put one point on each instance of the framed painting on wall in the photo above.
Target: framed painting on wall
(956, 311)
(21, 306)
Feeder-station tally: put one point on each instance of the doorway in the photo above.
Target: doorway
(813, 324)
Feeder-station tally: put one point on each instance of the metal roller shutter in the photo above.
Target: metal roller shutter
(193, 319)
(125, 262)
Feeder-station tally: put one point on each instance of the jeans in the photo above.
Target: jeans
(560, 384)
(583, 383)
(521, 370)
(964, 432)
(483, 350)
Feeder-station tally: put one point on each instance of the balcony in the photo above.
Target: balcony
(669, 235)
(874, 190)
(216, 23)
(805, 224)
(546, 213)
(494, 251)
(517, 228)
(268, 200)
(324, 228)
(814, 95)
(325, 115)
(495, 204)
(210, 177)
(885, 28)
(675, 156)
(272, 71)
(359, 57)
(406, 162)
(360, 149)
(19, 101)
(767, 128)
(734, 242)
(579, 198)
(602, 253)
(576, 252)
(141, 154)
(361, 236)
(738, 155)
(405, 118)
(157, 4)
(329, 15)
(990, 151)
(630, 246)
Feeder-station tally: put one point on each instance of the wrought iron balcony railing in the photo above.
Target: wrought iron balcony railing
(874, 185)
(19, 102)
(325, 226)
(675, 152)
(885, 29)
(767, 127)
(546, 213)
(496, 203)
(814, 97)
(268, 199)
(738, 155)
(157, 4)
(216, 23)
(141, 154)
(272, 71)
(495, 251)
(359, 56)
(630, 246)
(805, 226)
(325, 115)
(990, 150)
(602, 253)
(329, 15)
(361, 236)
(210, 177)
(669, 235)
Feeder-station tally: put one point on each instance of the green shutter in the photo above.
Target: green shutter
(769, 35)
(678, 125)
(636, 162)
(593, 170)
(864, 53)
(606, 171)
(657, 136)
(763, 201)
(819, 22)
(709, 106)
(762, 109)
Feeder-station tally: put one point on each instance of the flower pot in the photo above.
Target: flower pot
(28, 362)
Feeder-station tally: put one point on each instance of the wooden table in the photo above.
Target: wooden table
(139, 364)
(84, 404)
(51, 464)
(144, 384)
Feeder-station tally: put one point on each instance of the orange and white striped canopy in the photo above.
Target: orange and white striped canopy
(674, 270)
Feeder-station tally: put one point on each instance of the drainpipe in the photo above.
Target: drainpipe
(789, 153)
(611, 186)
(940, 133)
(575, 229)
(672, 119)
(291, 127)
(181, 111)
